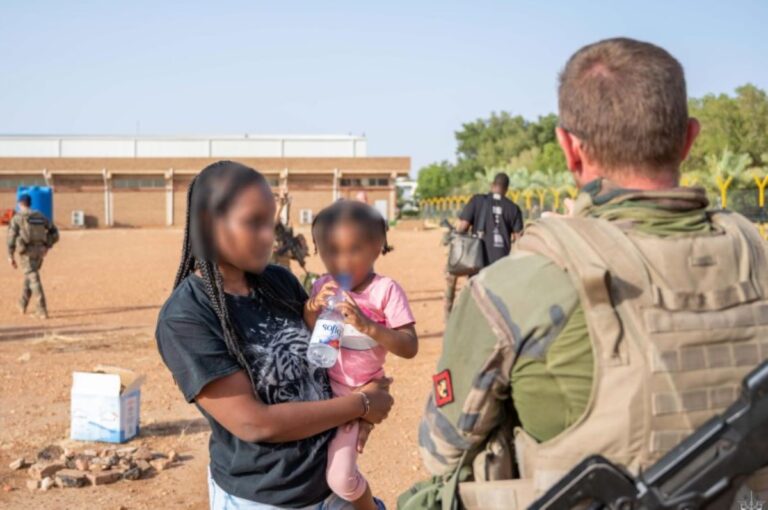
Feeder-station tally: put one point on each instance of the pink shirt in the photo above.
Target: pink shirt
(361, 358)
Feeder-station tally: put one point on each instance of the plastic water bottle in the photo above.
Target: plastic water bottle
(324, 345)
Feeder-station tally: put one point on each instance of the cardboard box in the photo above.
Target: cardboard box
(105, 404)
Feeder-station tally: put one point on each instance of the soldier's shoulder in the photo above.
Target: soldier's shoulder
(528, 281)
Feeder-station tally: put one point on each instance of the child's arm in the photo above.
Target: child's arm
(401, 341)
(317, 301)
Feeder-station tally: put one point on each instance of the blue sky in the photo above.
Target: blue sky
(405, 73)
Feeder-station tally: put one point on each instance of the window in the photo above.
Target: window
(274, 182)
(305, 216)
(366, 182)
(15, 182)
(138, 182)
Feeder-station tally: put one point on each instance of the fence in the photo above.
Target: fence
(751, 202)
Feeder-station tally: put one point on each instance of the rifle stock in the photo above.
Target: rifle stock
(697, 473)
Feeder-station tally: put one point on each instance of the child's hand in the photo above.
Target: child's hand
(353, 315)
(317, 303)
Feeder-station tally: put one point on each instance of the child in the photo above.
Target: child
(349, 237)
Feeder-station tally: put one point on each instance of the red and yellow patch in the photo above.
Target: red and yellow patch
(443, 388)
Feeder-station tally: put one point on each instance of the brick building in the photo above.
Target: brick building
(142, 181)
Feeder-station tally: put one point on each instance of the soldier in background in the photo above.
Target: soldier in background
(615, 331)
(32, 235)
(289, 246)
(281, 254)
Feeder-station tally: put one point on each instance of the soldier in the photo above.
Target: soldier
(34, 235)
(615, 331)
(281, 253)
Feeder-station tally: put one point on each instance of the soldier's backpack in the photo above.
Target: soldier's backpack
(35, 233)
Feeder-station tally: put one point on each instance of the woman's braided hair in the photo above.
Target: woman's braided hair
(371, 222)
(210, 195)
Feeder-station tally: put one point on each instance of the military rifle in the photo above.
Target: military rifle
(703, 471)
(296, 248)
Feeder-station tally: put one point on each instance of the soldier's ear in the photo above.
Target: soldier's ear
(572, 150)
(691, 133)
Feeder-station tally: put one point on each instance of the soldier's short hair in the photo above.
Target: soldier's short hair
(25, 200)
(626, 101)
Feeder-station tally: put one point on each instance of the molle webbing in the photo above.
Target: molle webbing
(675, 323)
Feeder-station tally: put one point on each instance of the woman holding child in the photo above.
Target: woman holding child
(234, 335)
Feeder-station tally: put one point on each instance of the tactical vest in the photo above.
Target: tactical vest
(33, 233)
(675, 324)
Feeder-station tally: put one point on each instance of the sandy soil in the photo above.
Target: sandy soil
(104, 290)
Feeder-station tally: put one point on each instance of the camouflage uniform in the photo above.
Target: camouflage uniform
(33, 235)
(517, 349)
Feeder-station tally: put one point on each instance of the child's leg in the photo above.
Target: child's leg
(343, 477)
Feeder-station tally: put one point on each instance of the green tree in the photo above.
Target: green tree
(434, 180)
(738, 123)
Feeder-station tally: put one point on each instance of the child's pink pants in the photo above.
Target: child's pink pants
(344, 479)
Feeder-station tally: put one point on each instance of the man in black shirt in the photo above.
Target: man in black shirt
(494, 217)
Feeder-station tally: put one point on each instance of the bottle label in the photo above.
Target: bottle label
(327, 332)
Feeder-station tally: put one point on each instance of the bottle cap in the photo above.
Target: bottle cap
(344, 280)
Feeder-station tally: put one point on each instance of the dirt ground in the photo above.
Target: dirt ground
(104, 291)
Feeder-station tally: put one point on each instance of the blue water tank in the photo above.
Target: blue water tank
(42, 199)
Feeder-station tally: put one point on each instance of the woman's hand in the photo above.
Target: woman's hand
(380, 400)
(353, 315)
(319, 301)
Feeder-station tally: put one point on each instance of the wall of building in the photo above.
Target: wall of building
(139, 208)
(180, 187)
(79, 184)
(309, 192)
(78, 193)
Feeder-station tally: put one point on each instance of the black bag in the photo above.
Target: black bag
(466, 252)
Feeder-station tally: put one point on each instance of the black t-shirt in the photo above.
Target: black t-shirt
(502, 218)
(190, 341)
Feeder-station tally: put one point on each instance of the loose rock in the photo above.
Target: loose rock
(82, 463)
(132, 474)
(33, 485)
(143, 465)
(126, 451)
(161, 464)
(17, 464)
(143, 453)
(173, 456)
(46, 483)
(103, 478)
(68, 478)
(41, 470)
(50, 452)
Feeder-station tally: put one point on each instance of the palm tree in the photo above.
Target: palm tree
(725, 169)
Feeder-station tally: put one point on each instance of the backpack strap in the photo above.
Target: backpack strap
(482, 221)
(754, 259)
(594, 253)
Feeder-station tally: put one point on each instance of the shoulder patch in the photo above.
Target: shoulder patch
(443, 388)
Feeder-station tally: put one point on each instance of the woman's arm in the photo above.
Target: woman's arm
(231, 401)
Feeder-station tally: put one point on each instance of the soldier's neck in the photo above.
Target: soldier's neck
(636, 178)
